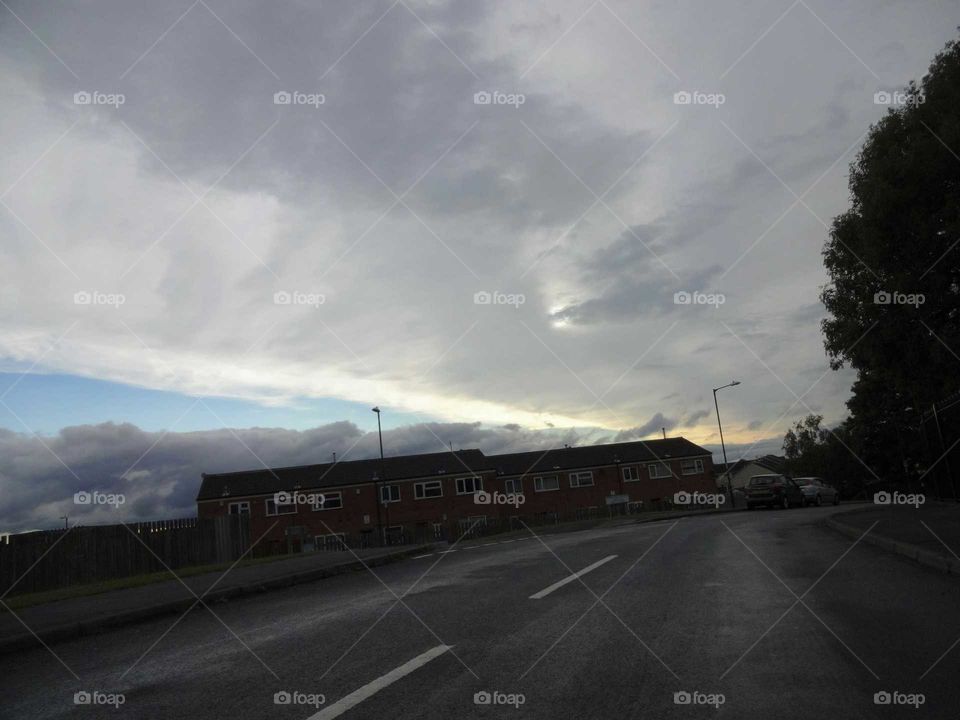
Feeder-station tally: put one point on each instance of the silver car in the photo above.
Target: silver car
(816, 491)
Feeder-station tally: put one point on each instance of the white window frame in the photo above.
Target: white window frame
(419, 490)
(391, 498)
(326, 496)
(268, 501)
(241, 504)
(513, 485)
(659, 465)
(632, 470)
(576, 479)
(475, 481)
(697, 466)
(538, 483)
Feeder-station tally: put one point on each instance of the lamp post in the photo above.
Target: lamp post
(726, 466)
(383, 540)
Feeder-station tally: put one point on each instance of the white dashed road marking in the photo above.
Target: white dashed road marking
(557, 585)
(371, 688)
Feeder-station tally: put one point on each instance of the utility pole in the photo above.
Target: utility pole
(380, 479)
(726, 465)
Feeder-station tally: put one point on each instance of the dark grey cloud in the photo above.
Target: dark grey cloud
(653, 425)
(159, 473)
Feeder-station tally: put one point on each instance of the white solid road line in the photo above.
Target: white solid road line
(557, 585)
(358, 696)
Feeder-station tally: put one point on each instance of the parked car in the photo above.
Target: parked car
(816, 491)
(773, 491)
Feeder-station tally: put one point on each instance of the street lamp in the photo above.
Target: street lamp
(380, 479)
(722, 445)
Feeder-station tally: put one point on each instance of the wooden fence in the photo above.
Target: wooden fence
(52, 559)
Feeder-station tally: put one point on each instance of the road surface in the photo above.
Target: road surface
(766, 614)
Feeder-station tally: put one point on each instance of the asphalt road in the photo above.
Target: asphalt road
(767, 614)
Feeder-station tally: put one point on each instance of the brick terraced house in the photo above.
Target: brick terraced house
(435, 495)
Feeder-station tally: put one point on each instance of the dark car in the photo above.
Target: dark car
(773, 491)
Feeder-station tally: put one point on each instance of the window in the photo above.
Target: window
(282, 509)
(630, 473)
(546, 483)
(514, 486)
(428, 489)
(659, 470)
(389, 493)
(330, 501)
(468, 485)
(581, 479)
(691, 467)
(240, 508)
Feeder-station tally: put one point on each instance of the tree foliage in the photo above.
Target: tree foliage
(899, 241)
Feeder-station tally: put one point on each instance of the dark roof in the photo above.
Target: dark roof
(540, 461)
(773, 463)
(348, 472)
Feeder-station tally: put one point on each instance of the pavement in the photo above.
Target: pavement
(73, 617)
(770, 613)
(927, 533)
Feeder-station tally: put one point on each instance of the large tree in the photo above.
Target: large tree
(901, 235)
(893, 261)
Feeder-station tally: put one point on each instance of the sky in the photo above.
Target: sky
(228, 229)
